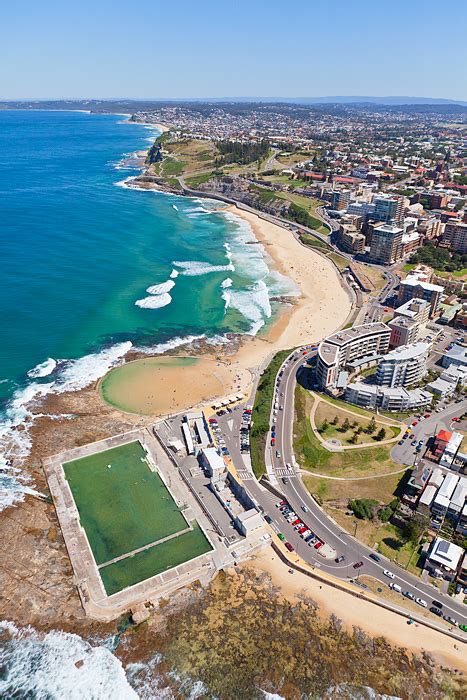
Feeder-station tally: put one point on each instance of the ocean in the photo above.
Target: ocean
(93, 267)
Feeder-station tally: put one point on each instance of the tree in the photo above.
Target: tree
(414, 528)
(381, 434)
(354, 438)
(371, 427)
(324, 426)
(346, 425)
(363, 508)
(335, 420)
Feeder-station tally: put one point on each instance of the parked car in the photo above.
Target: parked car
(358, 564)
(281, 536)
(415, 422)
(437, 604)
(268, 519)
(374, 556)
(318, 544)
(289, 546)
(421, 602)
(273, 441)
(436, 611)
(278, 454)
(450, 619)
(389, 574)
(408, 595)
(338, 560)
(395, 587)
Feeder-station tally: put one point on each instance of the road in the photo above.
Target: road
(293, 490)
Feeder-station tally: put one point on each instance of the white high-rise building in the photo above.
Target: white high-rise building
(404, 366)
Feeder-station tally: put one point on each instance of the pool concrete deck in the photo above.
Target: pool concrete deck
(96, 603)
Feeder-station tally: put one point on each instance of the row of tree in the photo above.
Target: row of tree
(242, 153)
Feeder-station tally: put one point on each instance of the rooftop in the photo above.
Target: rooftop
(356, 332)
(407, 352)
(446, 553)
(412, 281)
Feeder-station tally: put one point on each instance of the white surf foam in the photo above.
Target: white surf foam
(59, 665)
(43, 369)
(154, 302)
(162, 288)
(15, 440)
(160, 348)
(226, 283)
(253, 304)
(174, 274)
(192, 268)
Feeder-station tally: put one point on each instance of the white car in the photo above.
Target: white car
(421, 602)
(389, 574)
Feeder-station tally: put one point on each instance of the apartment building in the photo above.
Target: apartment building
(386, 244)
(414, 309)
(336, 351)
(404, 331)
(404, 366)
(412, 288)
(388, 208)
(455, 235)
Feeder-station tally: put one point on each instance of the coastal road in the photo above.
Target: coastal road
(311, 514)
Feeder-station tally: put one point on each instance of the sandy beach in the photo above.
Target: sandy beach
(355, 612)
(322, 307)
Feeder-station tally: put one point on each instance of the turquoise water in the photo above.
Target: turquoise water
(79, 249)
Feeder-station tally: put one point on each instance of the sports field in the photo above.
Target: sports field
(123, 505)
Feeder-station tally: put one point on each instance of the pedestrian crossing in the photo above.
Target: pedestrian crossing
(284, 472)
(244, 474)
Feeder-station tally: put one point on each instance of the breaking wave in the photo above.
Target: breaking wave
(154, 302)
(15, 439)
(162, 288)
(252, 303)
(192, 268)
(43, 369)
(59, 665)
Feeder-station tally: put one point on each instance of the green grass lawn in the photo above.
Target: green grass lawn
(309, 240)
(155, 560)
(311, 454)
(123, 507)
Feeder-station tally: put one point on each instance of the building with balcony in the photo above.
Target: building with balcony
(338, 350)
(386, 245)
(404, 331)
(404, 366)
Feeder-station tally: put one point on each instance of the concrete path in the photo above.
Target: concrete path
(352, 478)
(339, 448)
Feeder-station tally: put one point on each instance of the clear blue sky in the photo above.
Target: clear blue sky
(202, 48)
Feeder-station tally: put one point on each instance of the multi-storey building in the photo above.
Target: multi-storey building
(404, 366)
(335, 352)
(386, 244)
(388, 208)
(404, 331)
(350, 239)
(340, 199)
(412, 288)
(415, 309)
(455, 235)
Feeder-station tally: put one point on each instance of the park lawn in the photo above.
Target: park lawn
(311, 454)
(326, 411)
(194, 155)
(170, 167)
(375, 277)
(388, 420)
(341, 262)
(155, 560)
(288, 159)
(197, 180)
(382, 489)
(123, 506)
(310, 240)
(455, 273)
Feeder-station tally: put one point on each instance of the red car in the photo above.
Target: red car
(295, 522)
(456, 419)
(358, 565)
(289, 546)
(318, 545)
(427, 415)
(273, 441)
(302, 529)
(212, 420)
(415, 422)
